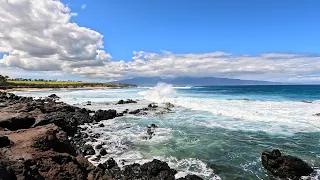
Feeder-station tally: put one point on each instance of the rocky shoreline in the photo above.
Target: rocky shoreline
(45, 139)
(42, 139)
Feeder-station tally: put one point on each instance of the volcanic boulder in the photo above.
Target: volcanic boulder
(284, 166)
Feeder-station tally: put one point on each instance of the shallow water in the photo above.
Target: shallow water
(212, 132)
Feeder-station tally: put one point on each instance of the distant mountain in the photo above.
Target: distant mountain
(193, 81)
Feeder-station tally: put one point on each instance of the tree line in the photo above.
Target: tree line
(3, 79)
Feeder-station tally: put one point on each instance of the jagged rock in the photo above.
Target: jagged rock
(99, 146)
(152, 106)
(88, 150)
(56, 166)
(54, 96)
(101, 125)
(120, 102)
(104, 115)
(135, 111)
(6, 173)
(285, 166)
(103, 152)
(126, 102)
(55, 140)
(110, 163)
(191, 177)
(5, 142)
(15, 123)
(151, 130)
(42, 149)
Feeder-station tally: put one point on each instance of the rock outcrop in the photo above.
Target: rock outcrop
(42, 139)
(285, 166)
(128, 101)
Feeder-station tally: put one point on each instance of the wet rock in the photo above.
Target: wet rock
(99, 146)
(120, 102)
(191, 177)
(88, 150)
(153, 106)
(104, 115)
(103, 152)
(153, 126)
(88, 103)
(135, 111)
(151, 130)
(126, 102)
(110, 163)
(101, 125)
(169, 105)
(285, 166)
(54, 96)
(97, 158)
(305, 101)
(97, 135)
(318, 114)
(5, 142)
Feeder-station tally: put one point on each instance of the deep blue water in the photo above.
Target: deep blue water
(272, 92)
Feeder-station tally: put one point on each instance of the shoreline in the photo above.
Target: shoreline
(37, 134)
(41, 134)
(53, 89)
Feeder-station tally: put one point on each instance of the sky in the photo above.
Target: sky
(95, 40)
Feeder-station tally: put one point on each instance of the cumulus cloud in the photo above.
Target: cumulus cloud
(267, 66)
(38, 35)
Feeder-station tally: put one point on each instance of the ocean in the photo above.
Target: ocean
(213, 132)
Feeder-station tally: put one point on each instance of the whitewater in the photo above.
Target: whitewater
(213, 132)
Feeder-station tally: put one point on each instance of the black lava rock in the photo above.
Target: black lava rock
(5, 142)
(105, 115)
(285, 166)
(103, 152)
(88, 150)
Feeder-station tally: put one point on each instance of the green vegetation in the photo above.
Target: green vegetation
(3, 79)
(6, 83)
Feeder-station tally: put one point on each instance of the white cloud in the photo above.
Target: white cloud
(267, 66)
(38, 35)
(83, 6)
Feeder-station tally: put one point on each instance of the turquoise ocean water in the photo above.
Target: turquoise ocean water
(214, 132)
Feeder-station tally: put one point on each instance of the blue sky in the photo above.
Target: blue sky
(197, 26)
(105, 40)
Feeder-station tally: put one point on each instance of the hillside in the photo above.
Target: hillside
(193, 81)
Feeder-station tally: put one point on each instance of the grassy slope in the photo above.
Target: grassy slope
(58, 84)
(49, 82)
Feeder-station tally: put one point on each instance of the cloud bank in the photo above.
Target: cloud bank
(38, 35)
